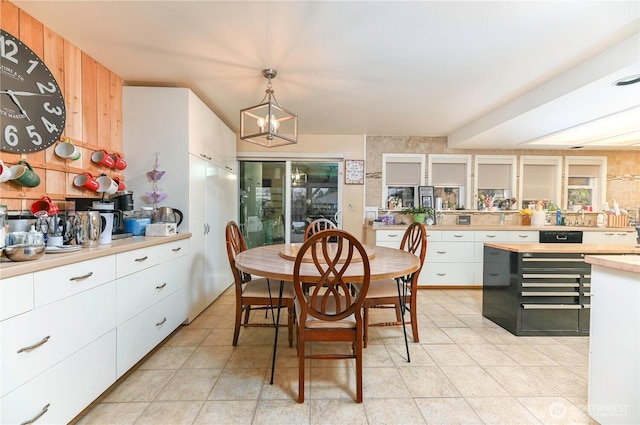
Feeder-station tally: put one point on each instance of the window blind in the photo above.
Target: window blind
(494, 176)
(448, 174)
(584, 171)
(538, 181)
(403, 174)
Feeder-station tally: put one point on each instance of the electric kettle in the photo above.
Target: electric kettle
(167, 215)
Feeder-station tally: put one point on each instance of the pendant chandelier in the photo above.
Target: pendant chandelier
(268, 124)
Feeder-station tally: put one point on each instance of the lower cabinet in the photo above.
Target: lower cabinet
(67, 333)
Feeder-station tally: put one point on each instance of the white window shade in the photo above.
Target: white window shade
(403, 174)
(449, 175)
(494, 176)
(538, 181)
(584, 171)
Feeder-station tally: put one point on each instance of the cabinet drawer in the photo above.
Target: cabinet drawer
(65, 389)
(458, 236)
(446, 274)
(142, 333)
(136, 260)
(449, 252)
(434, 235)
(389, 236)
(61, 282)
(16, 295)
(523, 236)
(34, 341)
(174, 249)
(491, 236)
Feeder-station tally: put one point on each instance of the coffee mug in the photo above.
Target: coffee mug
(102, 157)
(23, 174)
(67, 150)
(120, 183)
(107, 185)
(5, 172)
(86, 181)
(118, 162)
(44, 205)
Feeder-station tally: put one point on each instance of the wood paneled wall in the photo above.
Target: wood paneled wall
(93, 98)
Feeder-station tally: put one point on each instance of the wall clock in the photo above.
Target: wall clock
(31, 103)
(353, 171)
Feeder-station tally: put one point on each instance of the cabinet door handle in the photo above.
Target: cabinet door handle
(490, 236)
(458, 236)
(441, 252)
(161, 286)
(441, 274)
(176, 249)
(160, 323)
(37, 416)
(494, 274)
(523, 236)
(393, 236)
(34, 346)
(139, 260)
(84, 276)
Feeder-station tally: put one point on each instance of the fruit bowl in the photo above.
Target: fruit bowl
(24, 252)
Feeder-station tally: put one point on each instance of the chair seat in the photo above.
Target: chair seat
(259, 288)
(382, 289)
(348, 322)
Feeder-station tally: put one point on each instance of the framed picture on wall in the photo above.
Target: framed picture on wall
(426, 201)
(353, 171)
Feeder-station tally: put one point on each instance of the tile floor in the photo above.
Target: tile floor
(465, 370)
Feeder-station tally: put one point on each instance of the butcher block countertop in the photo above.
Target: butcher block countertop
(572, 248)
(10, 268)
(629, 263)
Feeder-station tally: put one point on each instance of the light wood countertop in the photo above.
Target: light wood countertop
(630, 263)
(10, 268)
(572, 248)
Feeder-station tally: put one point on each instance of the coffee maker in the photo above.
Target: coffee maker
(122, 202)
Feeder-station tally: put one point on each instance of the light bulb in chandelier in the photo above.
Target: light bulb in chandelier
(274, 124)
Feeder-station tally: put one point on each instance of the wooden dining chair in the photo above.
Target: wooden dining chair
(384, 293)
(329, 311)
(260, 293)
(318, 225)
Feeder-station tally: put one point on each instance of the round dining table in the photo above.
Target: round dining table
(276, 262)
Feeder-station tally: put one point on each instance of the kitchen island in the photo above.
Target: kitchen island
(614, 344)
(541, 289)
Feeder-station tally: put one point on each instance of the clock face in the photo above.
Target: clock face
(32, 108)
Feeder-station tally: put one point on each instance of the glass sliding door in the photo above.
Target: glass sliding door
(278, 199)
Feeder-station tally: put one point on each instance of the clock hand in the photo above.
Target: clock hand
(16, 101)
(27, 93)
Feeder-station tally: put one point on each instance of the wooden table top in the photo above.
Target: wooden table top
(268, 261)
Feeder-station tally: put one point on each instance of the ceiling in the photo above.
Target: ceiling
(504, 74)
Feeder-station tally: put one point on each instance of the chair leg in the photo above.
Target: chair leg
(290, 325)
(414, 322)
(365, 320)
(398, 312)
(236, 330)
(300, 369)
(247, 311)
(358, 344)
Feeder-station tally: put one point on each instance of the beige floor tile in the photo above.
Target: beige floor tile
(167, 357)
(475, 321)
(187, 337)
(556, 410)
(113, 413)
(449, 355)
(251, 357)
(239, 384)
(487, 355)
(526, 355)
(383, 382)
(427, 382)
(219, 336)
(501, 411)
(392, 411)
(376, 356)
(285, 385)
(446, 320)
(331, 383)
(564, 355)
(464, 336)
(209, 357)
(419, 357)
(170, 412)
(497, 335)
(447, 411)
(227, 412)
(473, 381)
(520, 381)
(272, 412)
(190, 384)
(562, 379)
(332, 412)
(141, 385)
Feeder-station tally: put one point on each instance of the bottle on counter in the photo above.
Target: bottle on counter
(600, 221)
(558, 217)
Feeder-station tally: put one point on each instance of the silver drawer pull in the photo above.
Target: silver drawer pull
(556, 260)
(85, 276)
(490, 236)
(549, 294)
(176, 249)
(441, 252)
(393, 236)
(441, 274)
(586, 294)
(458, 236)
(609, 234)
(36, 417)
(549, 276)
(161, 286)
(160, 323)
(34, 346)
(586, 305)
(494, 274)
(549, 285)
(551, 306)
(523, 236)
(138, 260)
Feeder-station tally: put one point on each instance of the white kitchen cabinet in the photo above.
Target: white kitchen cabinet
(528, 236)
(449, 260)
(16, 295)
(198, 181)
(610, 236)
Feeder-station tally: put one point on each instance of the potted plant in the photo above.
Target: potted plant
(418, 213)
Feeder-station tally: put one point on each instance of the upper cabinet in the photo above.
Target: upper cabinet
(585, 179)
(450, 175)
(539, 179)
